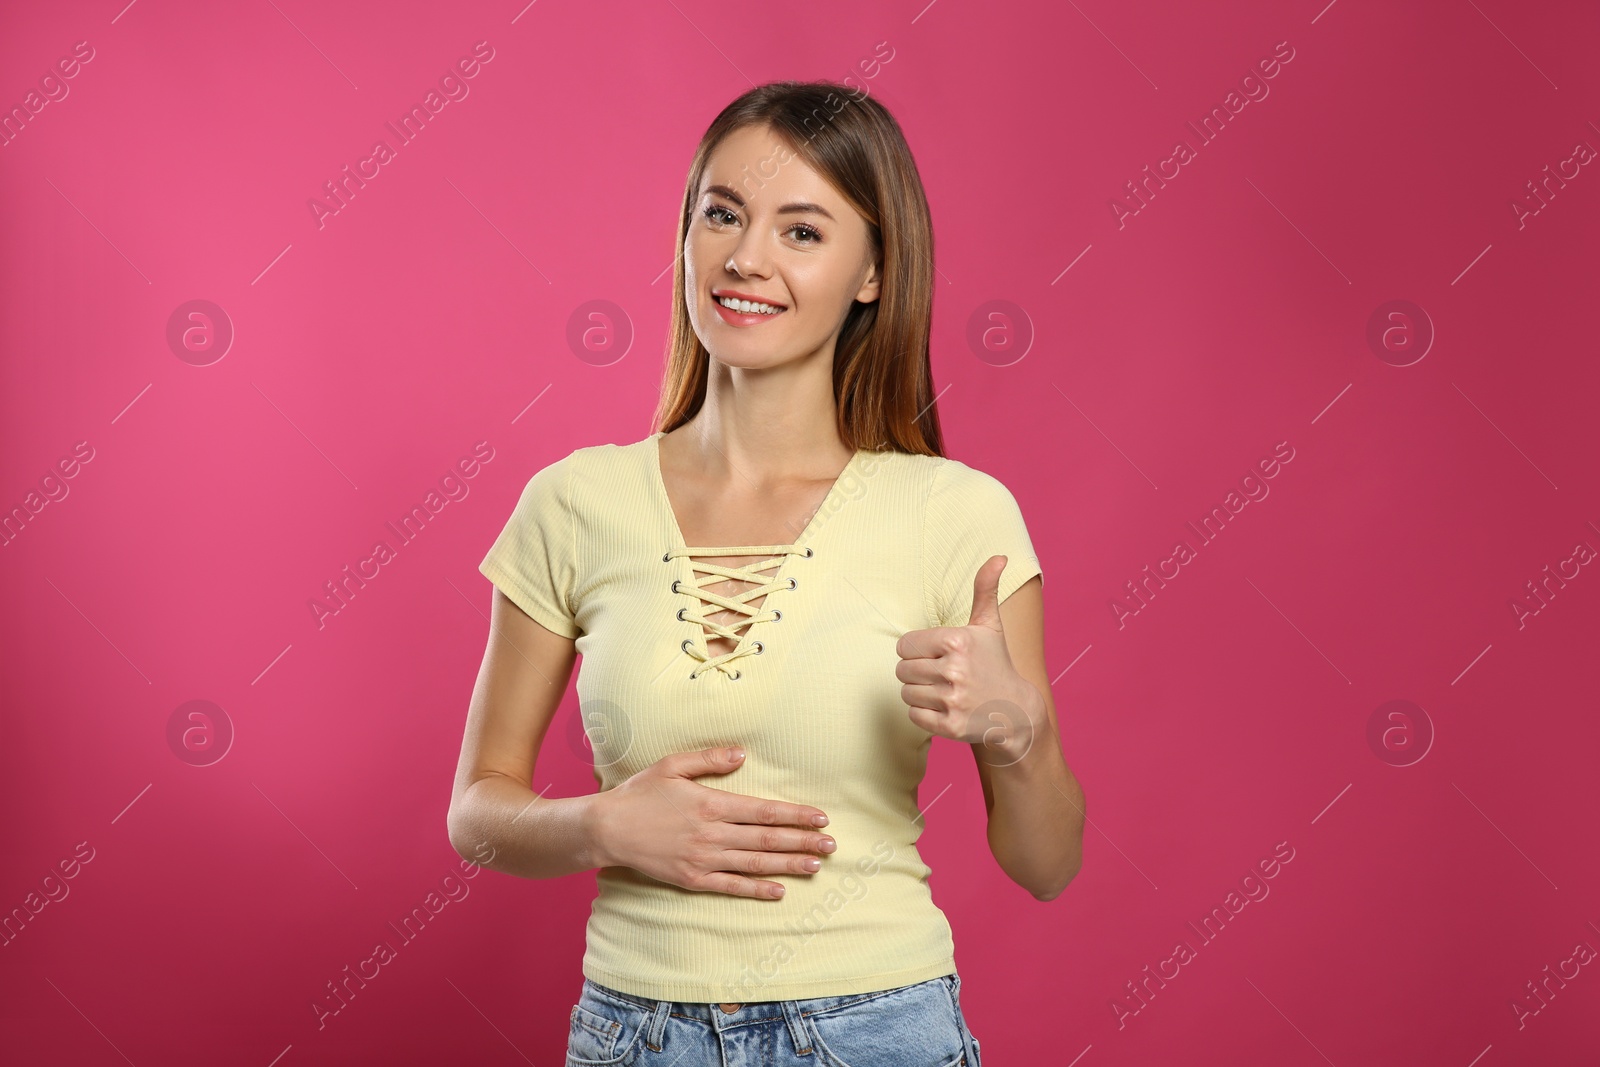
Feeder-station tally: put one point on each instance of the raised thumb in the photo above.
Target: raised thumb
(986, 594)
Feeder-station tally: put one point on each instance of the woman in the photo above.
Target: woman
(774, 619)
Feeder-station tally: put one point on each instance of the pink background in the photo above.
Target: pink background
(1230, 713)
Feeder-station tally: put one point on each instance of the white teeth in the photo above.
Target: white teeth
(747, 306)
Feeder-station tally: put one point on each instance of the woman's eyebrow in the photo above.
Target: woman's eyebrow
(798, 207)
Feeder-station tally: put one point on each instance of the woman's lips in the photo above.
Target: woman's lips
(740, 318)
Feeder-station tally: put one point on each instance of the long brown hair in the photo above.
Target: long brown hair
(882, 377)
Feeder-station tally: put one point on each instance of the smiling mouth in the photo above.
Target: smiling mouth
(745, 314)
(747, 307)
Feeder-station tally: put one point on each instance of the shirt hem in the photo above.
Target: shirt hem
(678, 992)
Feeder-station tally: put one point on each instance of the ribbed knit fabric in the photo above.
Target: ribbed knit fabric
(894, 547)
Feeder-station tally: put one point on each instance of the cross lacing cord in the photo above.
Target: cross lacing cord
(713, 573)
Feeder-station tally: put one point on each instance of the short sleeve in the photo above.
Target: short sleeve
(970, 517)
(534, 560)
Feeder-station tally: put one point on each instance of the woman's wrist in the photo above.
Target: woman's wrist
(592, 824)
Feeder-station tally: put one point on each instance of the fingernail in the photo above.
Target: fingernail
(819, 820)
(736, 753)
(777, 890)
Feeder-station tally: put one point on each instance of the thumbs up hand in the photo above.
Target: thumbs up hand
(960, 682)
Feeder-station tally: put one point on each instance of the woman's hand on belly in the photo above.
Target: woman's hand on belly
(663, 824)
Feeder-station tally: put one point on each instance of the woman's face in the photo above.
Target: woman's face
(767, 227)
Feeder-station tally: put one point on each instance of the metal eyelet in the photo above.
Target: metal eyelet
(735, 676)
(687, 641)
(692, 676)
(666, 557)
(759, 647)
(680, 614)
(675, 582)
(777, 614)
(793, 583)
(808, 554)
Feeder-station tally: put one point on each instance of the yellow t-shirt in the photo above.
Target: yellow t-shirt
(810, 693)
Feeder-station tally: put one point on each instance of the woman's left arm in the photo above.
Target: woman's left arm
(985, 683)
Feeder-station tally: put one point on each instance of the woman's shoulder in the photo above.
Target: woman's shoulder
(591, 460)
(956, 481)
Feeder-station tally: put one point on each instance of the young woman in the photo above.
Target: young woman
(780, 598)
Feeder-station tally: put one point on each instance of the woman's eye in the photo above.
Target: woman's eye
(717, 214)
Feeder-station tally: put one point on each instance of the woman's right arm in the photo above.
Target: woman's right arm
(520, 685)
(659, 821)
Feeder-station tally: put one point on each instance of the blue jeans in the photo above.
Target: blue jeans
(918, 1025)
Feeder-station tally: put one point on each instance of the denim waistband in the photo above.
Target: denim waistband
(790, 1012)
(769, 1008)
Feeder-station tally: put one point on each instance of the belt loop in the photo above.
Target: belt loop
(797, 1027)
(658, 1025)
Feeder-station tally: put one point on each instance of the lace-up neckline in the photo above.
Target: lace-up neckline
(761, 576)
